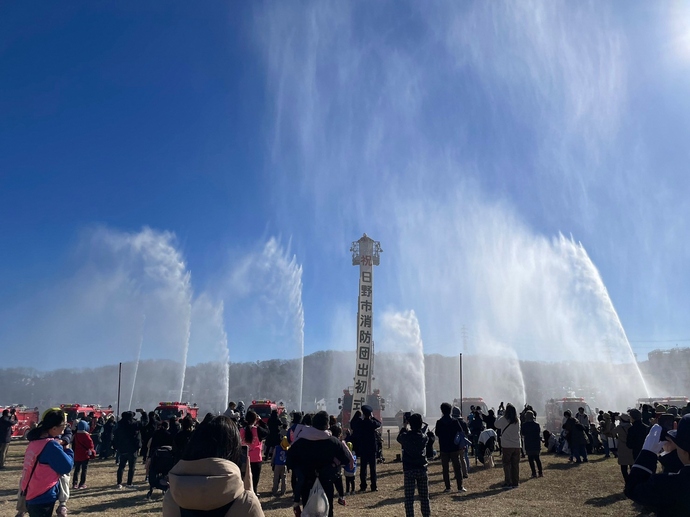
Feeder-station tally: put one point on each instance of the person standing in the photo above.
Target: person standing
(45, 461)
(446, 430)
(625, 455)
(637, 433)
(253, 435)
(413, 442)
(6, 423)
(531, 433)
(313, 458)
(127, 441)
(509, 425)
(84, 450)
(366, 447)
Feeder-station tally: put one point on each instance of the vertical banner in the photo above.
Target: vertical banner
(365, 317)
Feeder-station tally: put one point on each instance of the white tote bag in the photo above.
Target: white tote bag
(317, 503)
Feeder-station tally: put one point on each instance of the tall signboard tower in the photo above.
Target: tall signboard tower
(365, 254)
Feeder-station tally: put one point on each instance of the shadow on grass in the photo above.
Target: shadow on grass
(600, 502)
(135, 500)
(562, 466)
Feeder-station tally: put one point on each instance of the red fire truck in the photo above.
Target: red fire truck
(167, 410)
(76, 411)
(264, 407)
(27, 419)
(345, 403)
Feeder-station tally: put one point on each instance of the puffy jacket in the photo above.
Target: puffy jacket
(208, 484)
(83, 446)
(531, 431)
(413, 449)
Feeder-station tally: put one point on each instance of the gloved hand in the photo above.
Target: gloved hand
(653, 441)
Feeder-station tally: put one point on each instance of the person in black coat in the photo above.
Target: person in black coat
(531, 434)
(127, 441)
(367, 445)
(107, 438)
(637, 433)
(6, 422)
(314, 458)
(414, 460)
(665, 493)
(446, 430)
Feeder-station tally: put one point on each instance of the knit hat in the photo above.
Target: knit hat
(284, 443)
(83, 425)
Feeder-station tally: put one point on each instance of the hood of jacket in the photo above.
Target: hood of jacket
(205, 484)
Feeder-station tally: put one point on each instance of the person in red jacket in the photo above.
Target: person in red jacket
(83, 452)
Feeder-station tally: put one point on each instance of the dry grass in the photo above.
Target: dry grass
(590, 489)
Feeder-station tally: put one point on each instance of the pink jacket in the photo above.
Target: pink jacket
(44, 478)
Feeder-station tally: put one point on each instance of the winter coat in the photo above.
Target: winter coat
(446, 429)
(636, 435)
(127, 435)
(6, 423)
(208, 484)
(510, 433)
(413, 449)
(625, 454)
(531, 431)
(576, 432)
(83, 446)
(366, 437)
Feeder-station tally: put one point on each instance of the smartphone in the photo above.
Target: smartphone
(243, 460)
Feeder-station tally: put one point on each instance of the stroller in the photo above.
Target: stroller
(162, 460)
(486, 445)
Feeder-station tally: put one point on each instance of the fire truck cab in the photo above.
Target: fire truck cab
(345, 403)
(27, 419)
(77, 411)
(263, 408)
(556, 407)
(168, 410)
(468, 402)
(678, 401)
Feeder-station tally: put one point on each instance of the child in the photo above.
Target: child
(350, 473)
(413, 443)
(83, 452)
(278, 465)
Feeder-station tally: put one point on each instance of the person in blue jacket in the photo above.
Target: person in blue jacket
(45, 461)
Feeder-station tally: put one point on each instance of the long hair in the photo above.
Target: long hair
(511, 414)
(248, 432)
(218, 438)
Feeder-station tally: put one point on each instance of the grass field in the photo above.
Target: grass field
(594, 488)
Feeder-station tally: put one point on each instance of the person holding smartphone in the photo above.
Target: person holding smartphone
(209, 479)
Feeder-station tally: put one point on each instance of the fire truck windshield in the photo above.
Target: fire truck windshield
(167, 413)
(262, 411)
(71, 415)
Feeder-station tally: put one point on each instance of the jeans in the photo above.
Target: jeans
(607, 451)
(126, 458)
(511, 465)
(446, 459)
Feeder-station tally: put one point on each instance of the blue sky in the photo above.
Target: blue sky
(171, 169)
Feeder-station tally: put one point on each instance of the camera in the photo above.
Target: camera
(666, 423)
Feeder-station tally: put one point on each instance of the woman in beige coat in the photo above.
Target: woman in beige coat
(625, 455)
(208, 478)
